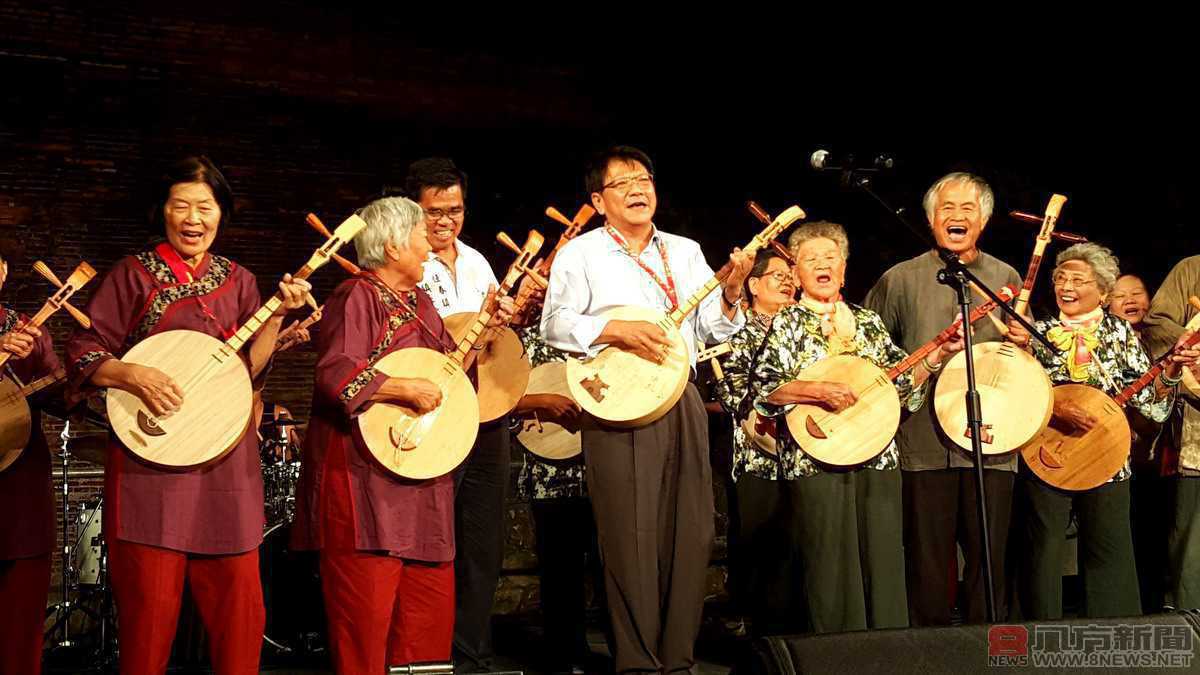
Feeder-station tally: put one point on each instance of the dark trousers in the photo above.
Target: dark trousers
(851, 550)
(1183, 544)
(481, 486)
(940, 511)
(1110, 585)
(652, 497)
(1151, 505)
(767, 557)
(567, 555)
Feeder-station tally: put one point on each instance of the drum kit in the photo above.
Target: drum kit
(291, 587)
(81, 627)
(83, 622)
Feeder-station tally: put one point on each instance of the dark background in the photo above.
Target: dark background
(310, 108)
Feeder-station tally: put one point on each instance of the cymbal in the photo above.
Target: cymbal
(88, 448)
(282, 422)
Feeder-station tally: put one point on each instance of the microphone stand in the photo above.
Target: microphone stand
(956, 275)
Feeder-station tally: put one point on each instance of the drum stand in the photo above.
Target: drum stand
(58, 636)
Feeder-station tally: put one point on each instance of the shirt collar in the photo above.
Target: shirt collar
(433, 257)
(655, 238)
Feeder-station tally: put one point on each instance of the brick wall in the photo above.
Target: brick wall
(305, 109)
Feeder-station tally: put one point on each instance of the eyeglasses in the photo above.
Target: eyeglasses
(779, 277)
(622, 185)
(453, 213)
(829, 259)
(1061, 280)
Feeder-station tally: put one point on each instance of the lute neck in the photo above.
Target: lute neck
(1147, 378)
(255, 322)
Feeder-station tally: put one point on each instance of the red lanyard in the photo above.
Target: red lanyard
(183, 275)
(668, 286)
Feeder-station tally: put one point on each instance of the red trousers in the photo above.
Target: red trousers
(386, 611)
(382, 611)
(148, 589)
(24, 585)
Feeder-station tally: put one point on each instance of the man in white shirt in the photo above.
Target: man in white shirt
(458, 278)
(651, 487)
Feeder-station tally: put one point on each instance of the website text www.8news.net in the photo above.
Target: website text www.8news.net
(1091, 646)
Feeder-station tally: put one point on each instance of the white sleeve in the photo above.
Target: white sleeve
(564, 323)
(711, 323)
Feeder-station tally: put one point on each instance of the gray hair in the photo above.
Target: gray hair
(1104, 264)
(987, 200)
(820, 229)
(389, 221)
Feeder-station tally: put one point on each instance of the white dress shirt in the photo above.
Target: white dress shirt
(593, 273)
(463, 291)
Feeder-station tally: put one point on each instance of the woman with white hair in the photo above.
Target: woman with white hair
(386, 545)
(845, 526)
(1099, 349)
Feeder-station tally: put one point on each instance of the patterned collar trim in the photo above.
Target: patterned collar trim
(169, 291)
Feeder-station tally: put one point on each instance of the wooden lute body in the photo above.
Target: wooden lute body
(547, 439)
(15, 415)
(422, 446)
(623, 390)
(1015, 394)
(1071, 459)
(218, 397)
(858, 434)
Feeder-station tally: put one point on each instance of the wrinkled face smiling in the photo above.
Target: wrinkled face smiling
(192, 216)
(1076, 289)
(958, 219)
(1129, 299)
(628, 199)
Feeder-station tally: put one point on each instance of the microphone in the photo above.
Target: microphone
(823, 160)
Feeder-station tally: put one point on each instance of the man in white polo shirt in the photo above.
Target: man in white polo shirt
(458, 278)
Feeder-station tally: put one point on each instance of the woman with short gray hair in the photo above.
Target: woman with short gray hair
(820, 229)
(372, 530)
(1105, 266)
(389, 221)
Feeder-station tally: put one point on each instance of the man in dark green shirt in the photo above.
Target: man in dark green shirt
(939, 485)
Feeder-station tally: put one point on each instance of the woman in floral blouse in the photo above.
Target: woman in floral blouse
(845, 525)
(765, 568)
(1101, 350)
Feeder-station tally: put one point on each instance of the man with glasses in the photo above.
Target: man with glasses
(938, 484)
(458, 279)
(651, 486)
